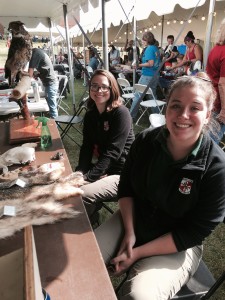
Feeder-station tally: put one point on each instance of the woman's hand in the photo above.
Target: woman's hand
(125, 257)
(122, 263)
(127, 244)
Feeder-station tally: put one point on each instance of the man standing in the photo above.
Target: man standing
(170, 51)
(41, 61)
(130, 51)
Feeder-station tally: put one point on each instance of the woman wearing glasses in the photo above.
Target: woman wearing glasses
(171, 197)
(107, 137)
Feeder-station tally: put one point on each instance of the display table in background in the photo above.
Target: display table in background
(7, 108)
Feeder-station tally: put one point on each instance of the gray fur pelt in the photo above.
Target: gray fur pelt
(38, 205)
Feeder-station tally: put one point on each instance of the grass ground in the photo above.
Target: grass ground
(214, 246)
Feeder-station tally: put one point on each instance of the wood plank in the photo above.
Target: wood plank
(29, 286)
(23, 131)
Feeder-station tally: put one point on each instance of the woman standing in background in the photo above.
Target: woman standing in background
(150, 60)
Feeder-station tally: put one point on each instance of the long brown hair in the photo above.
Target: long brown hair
(114, 100)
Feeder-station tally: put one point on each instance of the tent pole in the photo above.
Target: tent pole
(207, 45)
(104, 38)
(69, 53)
(135, 61)
(161, 44)
(51, 39)
(85, 63)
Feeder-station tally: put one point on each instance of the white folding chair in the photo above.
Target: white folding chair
(157, 120)
(121, 75)
(127, 90)
(140, 88)
(61, 104)
(90, 70)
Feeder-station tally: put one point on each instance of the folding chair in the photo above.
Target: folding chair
(157, 120)
(126, 89)
(90, 70)
(71, 121)
(198, 285)
(61, 104)
(60, 69)
(140, 88)
(121, 75)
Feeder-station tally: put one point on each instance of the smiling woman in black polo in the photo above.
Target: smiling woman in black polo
(107, 137)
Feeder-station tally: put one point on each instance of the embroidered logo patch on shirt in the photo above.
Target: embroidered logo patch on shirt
(106, 125)
(185, 186)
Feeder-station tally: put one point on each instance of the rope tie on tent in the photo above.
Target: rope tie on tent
(127, 19)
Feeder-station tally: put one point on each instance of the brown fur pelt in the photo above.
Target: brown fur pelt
(20, 51)
(38, 205)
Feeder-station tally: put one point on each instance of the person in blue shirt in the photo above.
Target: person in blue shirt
(93, 62)
(150, 61)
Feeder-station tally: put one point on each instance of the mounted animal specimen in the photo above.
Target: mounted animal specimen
(19, 54)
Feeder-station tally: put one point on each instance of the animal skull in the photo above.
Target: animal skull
(18, 155)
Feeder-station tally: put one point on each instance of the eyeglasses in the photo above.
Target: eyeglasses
(96, 88)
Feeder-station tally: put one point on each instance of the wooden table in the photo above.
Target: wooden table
(70, 264)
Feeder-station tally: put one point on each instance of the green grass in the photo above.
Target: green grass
(214, 246)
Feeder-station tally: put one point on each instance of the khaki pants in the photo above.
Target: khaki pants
(152, 278)
(102, 190)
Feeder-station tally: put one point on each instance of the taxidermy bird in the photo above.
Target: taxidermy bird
(20, 52)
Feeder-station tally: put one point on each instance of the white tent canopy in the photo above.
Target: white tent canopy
(141, 9)
(90, 20)
(32, 12)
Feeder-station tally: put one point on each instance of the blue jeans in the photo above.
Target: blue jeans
(217, 138)
(136, 101)
(51, 96)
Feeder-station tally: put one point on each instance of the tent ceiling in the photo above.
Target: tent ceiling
(179, 13)
(88, 12)
(32, 12)
(128, 10)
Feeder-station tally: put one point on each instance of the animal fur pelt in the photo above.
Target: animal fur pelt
(45, 174)
(35, 204)
(20, 51)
